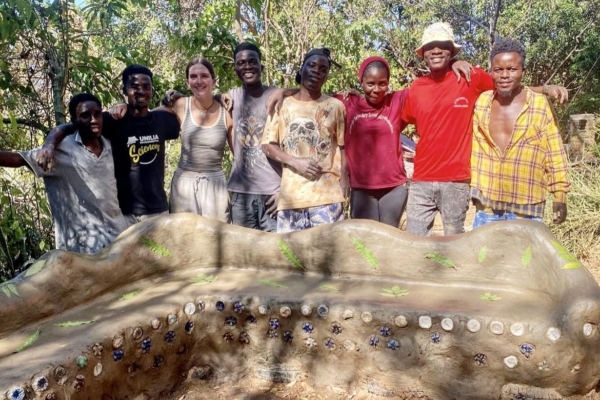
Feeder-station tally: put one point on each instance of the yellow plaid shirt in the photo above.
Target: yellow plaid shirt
(534, 161)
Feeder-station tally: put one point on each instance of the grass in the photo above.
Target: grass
(580, 233)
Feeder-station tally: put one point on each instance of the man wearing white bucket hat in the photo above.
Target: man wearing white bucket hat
(441, 107)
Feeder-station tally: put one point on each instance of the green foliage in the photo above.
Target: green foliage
(30, 340)
(155, 247)
(70, 324)
(442, 260)
(329, 287)
(394, 291)
(130, 295)
(578, 235)
(9, 289)
(269, 282)
(365, 252)
(526, 256)
(489, 297)
(482, 254)
(570, 259)
(203, 279)
(289, 254)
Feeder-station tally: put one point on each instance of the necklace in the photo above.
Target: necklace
(204, 110)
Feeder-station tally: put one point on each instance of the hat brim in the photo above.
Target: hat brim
(457, 48)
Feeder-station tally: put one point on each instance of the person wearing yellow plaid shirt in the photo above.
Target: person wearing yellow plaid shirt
(517, 153)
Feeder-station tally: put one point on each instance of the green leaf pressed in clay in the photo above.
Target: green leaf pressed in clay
(482, 254)
(289, 254)
(570, 259)
(69, 324)
(35, 268)
(129, 295)
(394, 291)
(11, 288)
(330, 287)
(203, 279)
(30, 340)
(489, 297)
(155, 247)
(572, 265)
(526, 257)
(271, 283)
(445, 261)
(5, 290)
(364, 251)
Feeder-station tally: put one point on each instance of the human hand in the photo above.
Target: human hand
(226, 102)
(170, 97)
(45, 157)
(350, 92)
(275, 101)
(118, 111)
(272, 205)
(307, 167)
(557, 92)
(345, 184)
(462, 67)
(559, 212)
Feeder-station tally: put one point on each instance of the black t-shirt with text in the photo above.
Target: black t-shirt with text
(138, 146)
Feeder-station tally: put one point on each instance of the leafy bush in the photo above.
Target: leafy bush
(25, 222)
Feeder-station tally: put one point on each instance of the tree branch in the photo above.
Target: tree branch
(26, 122)
(470, 18)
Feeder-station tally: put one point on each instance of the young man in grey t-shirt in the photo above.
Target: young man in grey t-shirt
(255, 179)
(81, 188)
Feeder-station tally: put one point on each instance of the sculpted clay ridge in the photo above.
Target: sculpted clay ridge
(503, 312)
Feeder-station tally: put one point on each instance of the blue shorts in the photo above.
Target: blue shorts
(485, 217)
(298, 219)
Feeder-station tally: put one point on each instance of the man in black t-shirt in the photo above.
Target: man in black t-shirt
(138, 143)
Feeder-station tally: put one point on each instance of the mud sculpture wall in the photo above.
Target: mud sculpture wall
(504, 312)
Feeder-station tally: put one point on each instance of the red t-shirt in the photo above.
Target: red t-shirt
(372, 141)
(442, 110)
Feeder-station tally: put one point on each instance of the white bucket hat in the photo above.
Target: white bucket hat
(438, 32)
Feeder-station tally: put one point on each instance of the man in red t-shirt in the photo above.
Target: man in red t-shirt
(442, 107)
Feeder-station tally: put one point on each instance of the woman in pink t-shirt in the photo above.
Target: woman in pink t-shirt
(373, 148)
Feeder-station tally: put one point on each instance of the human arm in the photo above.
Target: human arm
(462, 67)
(304, 166)
(11, 159)
(275, 100)
(270, 144)
(272, 205)
(557, 176)
(344, 175)
(229, 124)
(45, 156)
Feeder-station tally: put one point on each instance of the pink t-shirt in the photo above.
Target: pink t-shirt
(442, 110)
(372, 141)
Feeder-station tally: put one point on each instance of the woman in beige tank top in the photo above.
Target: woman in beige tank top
(199, 184)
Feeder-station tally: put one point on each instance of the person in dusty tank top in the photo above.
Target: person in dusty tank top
(199, 184)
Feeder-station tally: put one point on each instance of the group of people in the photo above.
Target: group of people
(483, 137)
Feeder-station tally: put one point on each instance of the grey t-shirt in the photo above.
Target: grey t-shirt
(82, 191)
(253, 172)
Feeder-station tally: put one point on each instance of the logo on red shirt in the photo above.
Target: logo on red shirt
(461, 102)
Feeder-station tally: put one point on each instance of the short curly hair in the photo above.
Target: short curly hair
(508, 45)
(78, 99)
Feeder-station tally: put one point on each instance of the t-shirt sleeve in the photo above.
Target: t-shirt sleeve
(399, 99)
(407, 111)
(484, 81)
(171, 125)
(29, 157)
(271, 130)
(108, 126)
(340, 124)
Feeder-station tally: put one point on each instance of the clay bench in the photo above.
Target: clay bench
(501, 312)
